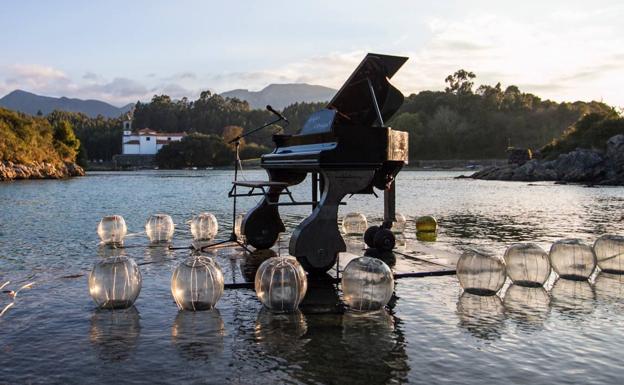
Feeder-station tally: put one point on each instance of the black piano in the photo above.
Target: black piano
(347, 149)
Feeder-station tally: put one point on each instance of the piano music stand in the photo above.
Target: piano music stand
(236, 141)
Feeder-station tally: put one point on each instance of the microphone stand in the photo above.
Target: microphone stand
(236, 141)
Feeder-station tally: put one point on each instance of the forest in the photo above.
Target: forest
(461, 122)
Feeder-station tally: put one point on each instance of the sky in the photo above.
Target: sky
(124, 51)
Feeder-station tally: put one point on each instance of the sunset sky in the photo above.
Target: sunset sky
(121, 51)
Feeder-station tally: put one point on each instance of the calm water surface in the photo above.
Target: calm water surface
(570, 333)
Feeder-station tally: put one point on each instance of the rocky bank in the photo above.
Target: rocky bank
(43, 170)
(578, 166)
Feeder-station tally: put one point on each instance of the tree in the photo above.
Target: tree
(459, 83)
(65, 140)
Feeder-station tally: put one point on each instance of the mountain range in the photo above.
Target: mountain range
(30, 103)
(282, 95)
(277, 95)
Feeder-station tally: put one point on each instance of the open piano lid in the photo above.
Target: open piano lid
(354, 101)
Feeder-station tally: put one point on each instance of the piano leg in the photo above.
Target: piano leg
(263, 224)
(316, 242)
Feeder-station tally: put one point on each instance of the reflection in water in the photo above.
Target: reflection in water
(610, 287)
(401, 242)
(279, 330)
(482, 316)
(427, 236)
(321, 296)
(105, 251)
(527, 305)
(157, 253)
(573, 297)
(250, 263)
(114, 333)
(499, 228)
(388, 257)
(198, 335)
(355, 244)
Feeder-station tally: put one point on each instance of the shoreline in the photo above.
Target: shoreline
(10, 171)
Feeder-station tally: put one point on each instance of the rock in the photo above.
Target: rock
(44, 170)
(533, 170)
(580, 165)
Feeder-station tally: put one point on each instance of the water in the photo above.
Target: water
(432, 333)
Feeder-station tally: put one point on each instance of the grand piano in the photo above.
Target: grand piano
(347, 149)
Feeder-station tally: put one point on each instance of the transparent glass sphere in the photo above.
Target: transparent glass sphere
(112, 229)
(238, 226)
(115, 282)
(527, 264)
(480, 273)
(281, 284)
(159, 228)
(354, 224)
(204, 227)
(426, 223)
(609, 250)
(572, 259)
(367, 284)
(197, 283)
(398, 226)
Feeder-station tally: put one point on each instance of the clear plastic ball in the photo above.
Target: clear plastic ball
(572, 259)
(197, 283)
(112, 229)
(367, 284)
(204, 227)
(354, 224)
(115, 282)
(281, 284)
(480, 273)
(398, 226)
(238, 226)
(527, 264)
(159, 228)
(609, 250)
(426, 223)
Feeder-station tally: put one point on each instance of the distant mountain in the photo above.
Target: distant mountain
(30, 103)
(282, 95)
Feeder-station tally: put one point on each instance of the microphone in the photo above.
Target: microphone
(268, 107)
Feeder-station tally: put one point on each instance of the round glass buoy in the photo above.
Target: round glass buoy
(426, 224)
(367, 284)
(572, 259)
(112, 229)
(204, 227)
(238, 226)
(527, 264)
(480, 273)
(398, 226)
(354, 224)
(159, 228)
(281, 284)
(197, 283)
(609, 250)
(115, 282)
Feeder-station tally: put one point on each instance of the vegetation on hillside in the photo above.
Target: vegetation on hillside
(26, 139)
(591, 132)
(460, 123)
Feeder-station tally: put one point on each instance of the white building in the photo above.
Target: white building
(146, 141)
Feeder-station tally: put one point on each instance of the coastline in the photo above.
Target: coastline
(10, 171)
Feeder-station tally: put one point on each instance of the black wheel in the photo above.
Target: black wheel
(384, 240)
(261, 234)
(369, 236)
